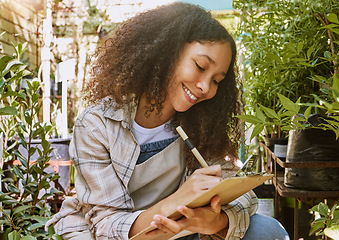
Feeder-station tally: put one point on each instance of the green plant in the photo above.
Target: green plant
(274, 124)
(297, 115)
(325, 106)
(284, 44)
(24, 210)
(326, 220)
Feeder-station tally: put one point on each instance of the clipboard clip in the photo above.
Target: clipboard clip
(248, 167)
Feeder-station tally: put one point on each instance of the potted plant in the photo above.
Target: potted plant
(282, 44)
(326, 220)
(23, 212)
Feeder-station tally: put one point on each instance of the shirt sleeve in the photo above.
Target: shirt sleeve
(101, 182)
(238, 212)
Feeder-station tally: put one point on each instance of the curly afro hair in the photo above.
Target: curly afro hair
(140, 57)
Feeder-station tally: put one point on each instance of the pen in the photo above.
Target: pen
(190, 145)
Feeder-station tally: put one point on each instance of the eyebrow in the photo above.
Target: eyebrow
(211, 61)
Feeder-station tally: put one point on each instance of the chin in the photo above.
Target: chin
(182, 109)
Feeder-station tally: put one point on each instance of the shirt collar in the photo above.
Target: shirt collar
(125, 115)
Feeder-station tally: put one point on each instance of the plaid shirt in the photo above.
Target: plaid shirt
(104, 152)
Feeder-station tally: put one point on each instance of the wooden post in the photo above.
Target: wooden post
(46, 58)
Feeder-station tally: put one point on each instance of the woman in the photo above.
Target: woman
(170, 66)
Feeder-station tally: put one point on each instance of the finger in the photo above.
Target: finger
(215, 204)
(210, 182)
(160, 229)
(214, 170)
(187, 212)
(166, 224)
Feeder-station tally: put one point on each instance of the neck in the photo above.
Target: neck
(153, 119)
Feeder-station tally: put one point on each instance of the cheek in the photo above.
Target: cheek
(212, 92)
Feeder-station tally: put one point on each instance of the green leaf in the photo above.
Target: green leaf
(18, 172)
(334, 209)
(28, 117)
(7, 222)
(332, 232)
(56, 176)
(10, 65)
(20, 49)
(288, 104)
(51, 230)
(47, 195)
(323, 209)
(335, 85)
(3, 62)
(315, 227)
(56, 237)
(35, 85)
(14, 235)
(249, 118)
(22, 159)
(260, 115)
(35, 97)
(21, 209)
(35, 226)
(310, 51)
(332, 17)
(270, 112)
(319, 78)
(308, 112)
(13, 188)
(329, 26)
(257, 130)
(15, 94)
(31, 151)
(28, 238)
(23, 126)
(300, 46)
(54, 190)
(8, 110)
(17, 76)
(2, 84)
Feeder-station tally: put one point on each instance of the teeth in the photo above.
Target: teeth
(190, 94)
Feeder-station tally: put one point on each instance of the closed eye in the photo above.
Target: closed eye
(215, 81)
(199, 67)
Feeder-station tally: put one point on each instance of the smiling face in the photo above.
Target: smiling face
(200, 68)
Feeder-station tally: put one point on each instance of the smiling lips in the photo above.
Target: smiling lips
(189, 94)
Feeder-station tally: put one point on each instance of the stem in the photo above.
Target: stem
(6, 133)
(329, 33)
(28, 157)
(3, 211)
(38, 190)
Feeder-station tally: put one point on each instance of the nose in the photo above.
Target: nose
(203, 84)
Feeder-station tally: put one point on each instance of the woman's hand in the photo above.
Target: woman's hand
(200, 181)
(207, 220)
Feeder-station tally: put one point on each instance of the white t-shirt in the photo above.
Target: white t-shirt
(148, 135)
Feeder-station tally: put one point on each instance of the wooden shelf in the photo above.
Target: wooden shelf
(301, 194)
(282, 190)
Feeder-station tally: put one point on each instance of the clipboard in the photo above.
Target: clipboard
(228, 189)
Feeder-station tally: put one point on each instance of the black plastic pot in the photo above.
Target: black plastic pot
(312, 145)
(279, 147)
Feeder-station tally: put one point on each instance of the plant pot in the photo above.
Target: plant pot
(60, 151)
(312, 145)
(279, 147)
